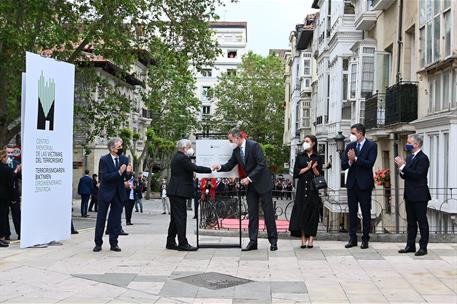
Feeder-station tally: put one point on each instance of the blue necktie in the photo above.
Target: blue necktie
(242, 155)
(358, 148)
(117, 162)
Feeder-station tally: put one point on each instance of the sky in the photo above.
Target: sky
(269, 21)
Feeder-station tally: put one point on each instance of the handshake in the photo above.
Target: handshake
(215, 167)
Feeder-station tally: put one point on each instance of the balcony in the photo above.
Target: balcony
(382, 4)
(375, 111)
(401, 103)
(366, 20)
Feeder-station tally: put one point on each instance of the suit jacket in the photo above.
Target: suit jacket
(361, 171)
(415, 175)
(85, 185)
(182, 176)
(254, 165)
(111, 182)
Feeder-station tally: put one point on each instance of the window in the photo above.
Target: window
(431, 13)
(206, 110)
(436, 37)
(454, 90)
(307, 67)
(367, 75)
(345, 78)
(437, 102)
(205, 91)
(305, 121)
(422, 45)
(446, 160)
(353, 80)
(231, 54)
(446, 83)
(231, 72)
(447, 33)
(206, 72)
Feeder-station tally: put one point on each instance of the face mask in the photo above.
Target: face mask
(306, 146)
(10, 156)
(353, 138)
(119, 151)
(234, 145)
(190, 152)
(409, 147)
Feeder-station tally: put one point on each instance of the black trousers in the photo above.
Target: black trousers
(416, 213)
(16, 215)
(178, 220)
(93, 203)
(4, 220)
(254, 198)
(114, 220)
(362, 197)
(129, 210)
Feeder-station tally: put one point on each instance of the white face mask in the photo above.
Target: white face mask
(234, 145)
(306, 146)
(353, 138)
(190, 152)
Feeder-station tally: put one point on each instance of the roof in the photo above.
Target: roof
(228, 24)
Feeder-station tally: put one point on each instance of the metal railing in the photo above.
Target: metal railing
(401, 103)
(375, 111)
(334, 210)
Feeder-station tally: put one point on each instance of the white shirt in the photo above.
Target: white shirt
(360, 149)
(414, 155)
(114, 160)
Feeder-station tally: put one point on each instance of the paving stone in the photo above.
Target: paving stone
(117, 279)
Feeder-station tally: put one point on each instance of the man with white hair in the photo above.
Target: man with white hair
(179, 189)
(113, 169)
(414, 171)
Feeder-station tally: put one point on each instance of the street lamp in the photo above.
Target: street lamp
(339, 139)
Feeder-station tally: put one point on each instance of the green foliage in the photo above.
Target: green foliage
(117, 30)
(253, 99)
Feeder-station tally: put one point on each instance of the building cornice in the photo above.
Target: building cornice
(436, 120)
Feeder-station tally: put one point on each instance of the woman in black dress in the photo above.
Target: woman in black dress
(305, 213)
(8, 194)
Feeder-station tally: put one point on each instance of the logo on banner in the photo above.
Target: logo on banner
(46, 100)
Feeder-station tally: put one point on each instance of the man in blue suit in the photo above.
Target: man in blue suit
(113, 168)
(85, 188)
(359, 158)
(417, 194)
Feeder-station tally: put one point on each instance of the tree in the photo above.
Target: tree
(117, 30)
(253, 100)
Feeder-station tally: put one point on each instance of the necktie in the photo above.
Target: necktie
(358, 148)
(117, 162)
(242, 154)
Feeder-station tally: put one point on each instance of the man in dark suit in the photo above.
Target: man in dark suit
(179, 190)
(359, 158)
(249, 155)
(414, 171)
(85, 188)
(15, 205)
(113, 169)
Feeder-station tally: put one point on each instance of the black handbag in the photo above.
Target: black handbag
(319, 182)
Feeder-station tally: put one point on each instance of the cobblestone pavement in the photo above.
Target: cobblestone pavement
(145, 272)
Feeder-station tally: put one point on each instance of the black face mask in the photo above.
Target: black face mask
(120, 151)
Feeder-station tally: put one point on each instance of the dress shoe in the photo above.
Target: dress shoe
(250, 246)
(274, 247)
(4, 244)
(407, 249)
(364, 245)
(187, 247)
(74, 232)
(350, 244)
(115, 248)
(164, 213)
(129, 224)
(421, 252)
(107, 232)
(123, 233)
(97, 248)
(172, 246)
